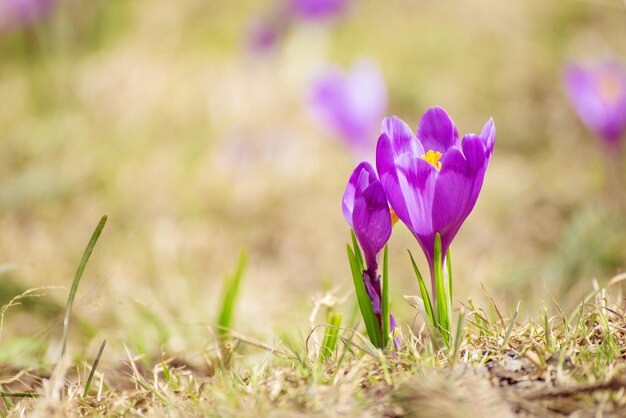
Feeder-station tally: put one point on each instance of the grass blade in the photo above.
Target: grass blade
(385, 318)
(365, 304)
(229, 295)
(424, 291)
(458, 336)
(93, 369)
(509, 329)
(330, 335)
(20, 395)
(78, 276)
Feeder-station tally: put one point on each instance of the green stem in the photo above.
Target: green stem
(385, 318)
(449, 275)
(443, 314)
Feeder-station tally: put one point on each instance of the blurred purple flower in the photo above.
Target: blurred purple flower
(350, 105)
(432, 180)
(598, 93)
(15, 14)
(262, 37)
(317, 9)
(366, 210)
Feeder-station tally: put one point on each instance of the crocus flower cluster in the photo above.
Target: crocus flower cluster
(350, 104)
(17, 14)
(598, 94)
(366, 210)
(431, 180)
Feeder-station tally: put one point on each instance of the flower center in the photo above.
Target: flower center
(609, 86)
(394, 217)
(433, 157)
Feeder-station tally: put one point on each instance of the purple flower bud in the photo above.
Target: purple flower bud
(366, 210)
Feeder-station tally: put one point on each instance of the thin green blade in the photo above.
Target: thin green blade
(423, 290)
(230, 294)
(79, 274)
(365, 304)
(93, 369)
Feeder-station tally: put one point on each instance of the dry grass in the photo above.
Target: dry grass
(551, 366)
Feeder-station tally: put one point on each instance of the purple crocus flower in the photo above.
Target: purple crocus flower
(351, 104)
(15, 14)
(432, 180)
(317, 9)
(598, 93)
(366, 210)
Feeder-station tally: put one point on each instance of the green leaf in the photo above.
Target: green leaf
(365, 304)
(229, 295)
(78, 276)
(385, 317)
(425, 297)
(357, 250)
(441, 300)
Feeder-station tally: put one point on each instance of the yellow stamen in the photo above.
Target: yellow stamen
(394, 217)
(609, 86)
(433, 157)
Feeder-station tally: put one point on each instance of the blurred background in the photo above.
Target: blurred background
(189, 124)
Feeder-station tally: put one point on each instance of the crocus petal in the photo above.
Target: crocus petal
(474, 153)
(488, 136)
(387, 169)
(436, 130)
(401, 136)
(452, 191)
(478, 158)
(409, 183)
(362, 176)
(417, 179)
(458, 187)
(371, 221)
